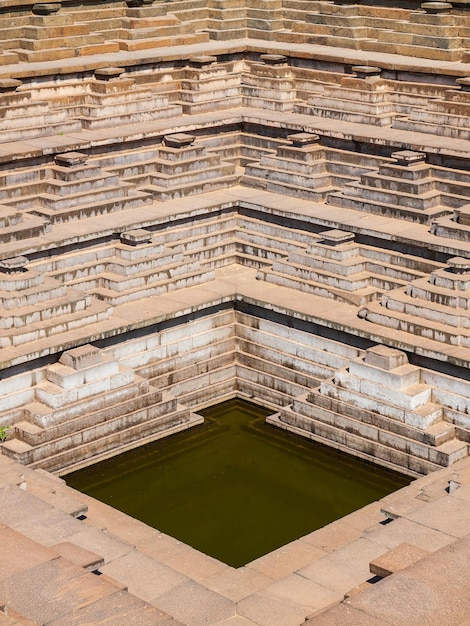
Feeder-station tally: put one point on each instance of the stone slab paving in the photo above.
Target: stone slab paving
(185, 587)
(439, 581)
(144, 574)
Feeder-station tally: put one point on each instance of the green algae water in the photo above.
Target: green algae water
(235, 488)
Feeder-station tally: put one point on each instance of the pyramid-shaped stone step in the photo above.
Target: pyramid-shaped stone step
(300, 169)
(364, 98)
(186, 277)
(441, 300)
(455, 226)
(269, 84)
(34, 306)
(370, 423)
(119, 436)
(369, 442)
(187, 170)
(322, 285)
(132, 270)
(157, 26)
(82, 313)
(70, 189)
(431, 128)
(208, 85)
(15, 225)
(43, 443)
(402, 190)
(419, 216)
(86, 397)
(115, 99)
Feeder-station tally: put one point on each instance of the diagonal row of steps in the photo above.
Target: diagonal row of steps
(70, 189)
(446, 115)
(33, 306)
(16, 225)
(435, 307)
(381, 401)
(306, 169)
(88, 411)
(335, 266)
(407, 189)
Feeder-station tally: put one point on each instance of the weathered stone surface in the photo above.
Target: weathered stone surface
(396, 559)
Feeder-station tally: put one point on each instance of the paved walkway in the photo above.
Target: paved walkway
(42, 537)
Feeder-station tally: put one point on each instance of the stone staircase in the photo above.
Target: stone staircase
(336, 267)
(305, 169)
(432, 32)
(88, 407)
(210, 86)
(51, 34)
(114, 100)
(269, 84)
(408, 189)
(433, 307)
(34, 306)
(153, 26)
(227, 19)
(23, 116)
(365, 99)
(69, 189)
(134, 269)
(183, 169)
(15, 225)
(446, 115)
(380, 408)
(331, 24)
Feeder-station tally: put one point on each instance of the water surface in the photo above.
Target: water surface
(235, 488)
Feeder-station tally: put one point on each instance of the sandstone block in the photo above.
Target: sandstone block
(396, 559)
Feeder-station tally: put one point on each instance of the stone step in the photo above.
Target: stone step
(165, 376)
(317, 195)
(380, 117)
(425, 200)
(417, 215)
(93, 313)
(419, 326)
(189, 279)
(435, 434)
(42, 307)
(35, 444)
(118, 436)
(156, 357)
(36, 436)
(193, 108)
(358, 298)
(435, 310)
(432, 128)
(212, 183)
(160, 42)
(351, 443)
(317, 361)
(119, 396)
(315, 270)
(93, 208)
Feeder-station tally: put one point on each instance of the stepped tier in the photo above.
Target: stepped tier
(408, 189)
(336, 267)
(430, 307)
(305, 169)
(33, 306)
(86, 407)
(379, 399)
